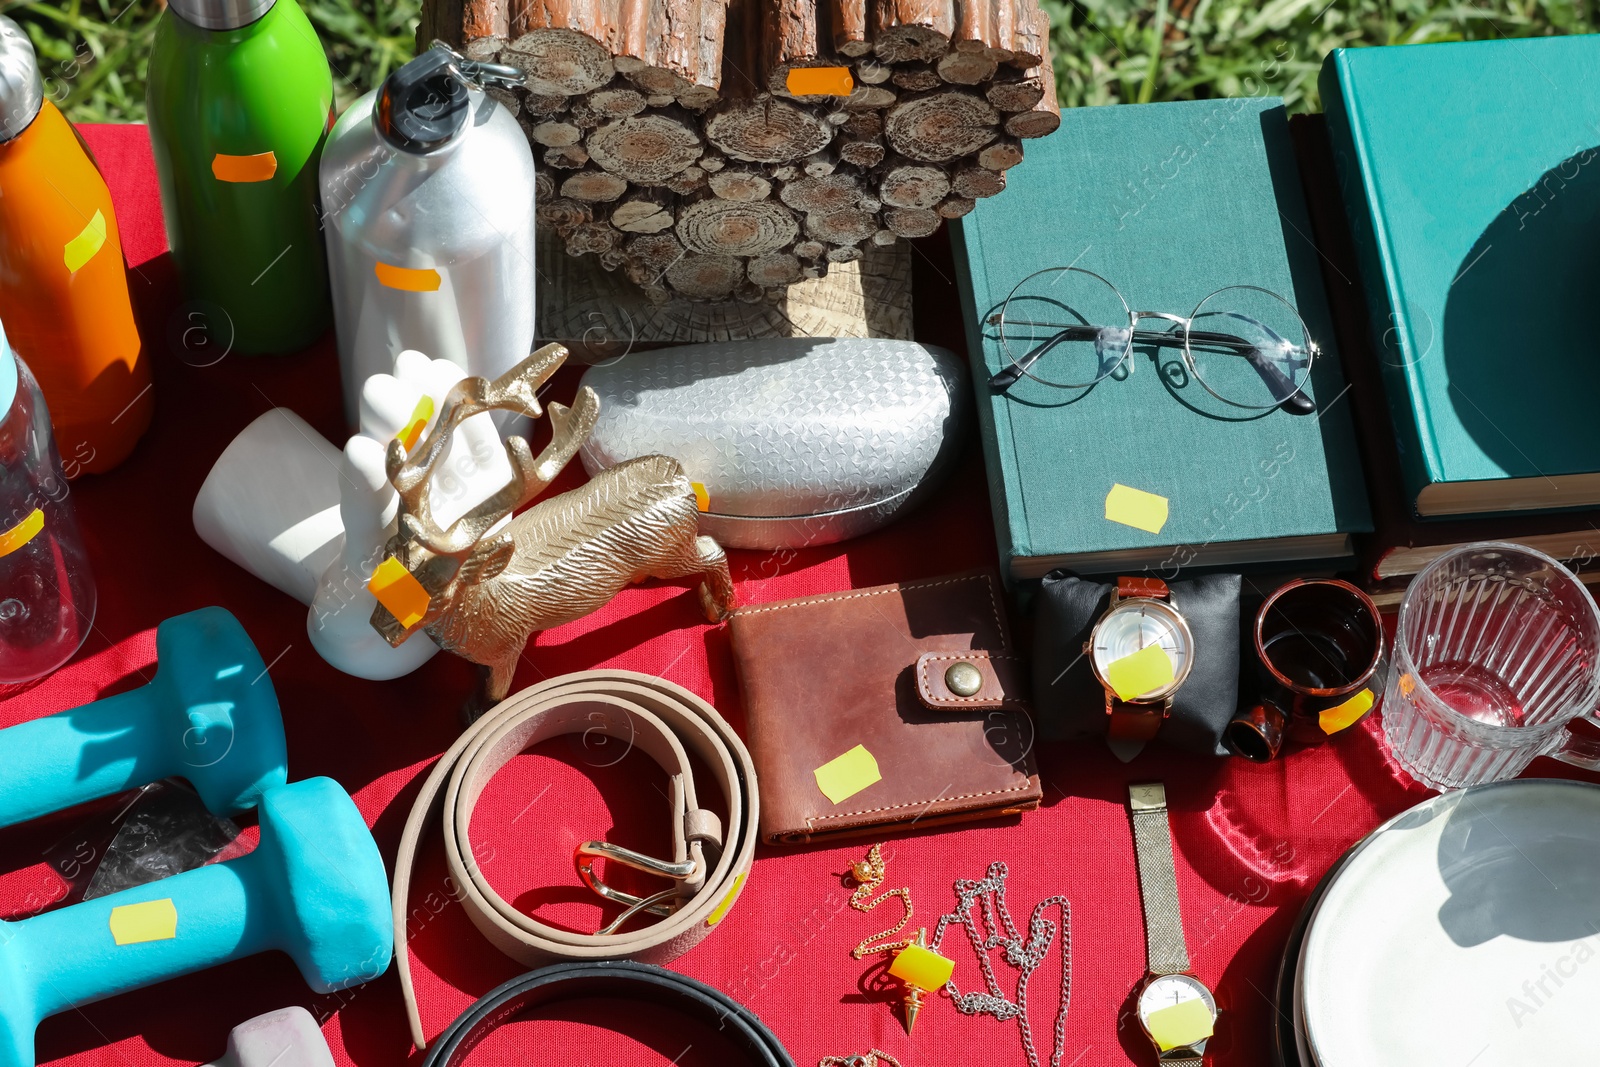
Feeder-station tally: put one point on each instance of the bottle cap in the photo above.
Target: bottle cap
(21, 88)
(423, 105)
(220, 14)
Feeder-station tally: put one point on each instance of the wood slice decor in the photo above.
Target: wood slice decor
(662, 295)
(723, 150)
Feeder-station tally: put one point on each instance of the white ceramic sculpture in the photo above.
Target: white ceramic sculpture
(285, 505)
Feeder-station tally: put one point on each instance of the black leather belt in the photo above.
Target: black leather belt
(622, 979)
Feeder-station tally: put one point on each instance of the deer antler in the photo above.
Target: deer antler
(516, 390)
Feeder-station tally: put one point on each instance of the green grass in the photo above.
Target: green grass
(1106, 51)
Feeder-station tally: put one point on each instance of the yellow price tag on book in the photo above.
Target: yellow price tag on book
(1146, 670)
(845, 776)
(1136, 508)
(81, 249)
(151, 920)
(394, 587)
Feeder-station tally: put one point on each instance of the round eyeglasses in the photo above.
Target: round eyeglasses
(1245, 345)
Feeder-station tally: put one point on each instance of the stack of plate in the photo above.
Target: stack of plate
(1465, 931)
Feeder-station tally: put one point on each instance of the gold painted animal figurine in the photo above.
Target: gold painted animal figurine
(490, 589)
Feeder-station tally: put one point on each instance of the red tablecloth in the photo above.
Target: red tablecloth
(1250, 841)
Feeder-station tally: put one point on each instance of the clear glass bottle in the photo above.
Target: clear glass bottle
(47, 595)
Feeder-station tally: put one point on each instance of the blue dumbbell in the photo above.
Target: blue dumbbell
(314, 887)
(210, 715)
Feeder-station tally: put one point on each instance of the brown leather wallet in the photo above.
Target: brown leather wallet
(922, 674)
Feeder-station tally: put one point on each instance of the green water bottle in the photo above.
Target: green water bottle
(240, 100)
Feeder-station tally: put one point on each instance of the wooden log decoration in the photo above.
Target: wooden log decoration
(682, 143)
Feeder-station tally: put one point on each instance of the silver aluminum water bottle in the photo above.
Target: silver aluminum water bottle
(427, 200)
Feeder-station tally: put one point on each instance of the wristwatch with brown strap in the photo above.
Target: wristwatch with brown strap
(1140, 615)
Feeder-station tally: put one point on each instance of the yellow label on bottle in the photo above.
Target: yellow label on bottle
(407, 279)
(90, 239)
(22, 532)
(244, 169)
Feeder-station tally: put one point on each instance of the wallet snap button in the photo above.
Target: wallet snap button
(963, 679)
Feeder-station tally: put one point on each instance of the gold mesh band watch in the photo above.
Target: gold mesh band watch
(1165, 951)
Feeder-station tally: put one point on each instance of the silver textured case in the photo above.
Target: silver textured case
(797, 441)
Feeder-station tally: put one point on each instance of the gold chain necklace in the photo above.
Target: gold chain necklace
(869, 874)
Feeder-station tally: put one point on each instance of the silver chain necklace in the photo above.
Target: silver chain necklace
(990, 895)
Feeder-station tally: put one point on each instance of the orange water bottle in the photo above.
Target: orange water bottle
(63, 283)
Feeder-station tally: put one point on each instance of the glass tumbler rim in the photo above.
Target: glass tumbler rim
(1405, 666)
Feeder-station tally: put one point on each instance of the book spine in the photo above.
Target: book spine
(1392, 340)
(994, 426)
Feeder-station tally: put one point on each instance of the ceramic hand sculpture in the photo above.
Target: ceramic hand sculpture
(288, 507)
(480, 586)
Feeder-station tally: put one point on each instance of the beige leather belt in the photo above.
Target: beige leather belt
(666, 722)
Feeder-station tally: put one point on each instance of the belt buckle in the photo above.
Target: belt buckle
(655, 903)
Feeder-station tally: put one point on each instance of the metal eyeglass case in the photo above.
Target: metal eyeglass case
(796, 441)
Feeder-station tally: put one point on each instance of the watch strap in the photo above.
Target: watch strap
(1148, 588)
(1165, 951)
(1134, 722)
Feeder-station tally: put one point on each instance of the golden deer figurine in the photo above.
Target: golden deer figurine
(559, 560)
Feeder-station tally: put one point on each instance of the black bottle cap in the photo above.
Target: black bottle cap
(423, 104)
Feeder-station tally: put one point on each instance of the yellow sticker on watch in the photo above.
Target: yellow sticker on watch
(1180, 1026)
(1145, 671)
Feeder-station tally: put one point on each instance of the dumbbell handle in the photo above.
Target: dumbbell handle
(100, 749)
(70, 957)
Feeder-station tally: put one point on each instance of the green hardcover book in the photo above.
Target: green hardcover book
(1169, 203)
(1469, 178)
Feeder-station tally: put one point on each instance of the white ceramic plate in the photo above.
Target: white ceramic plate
(1465, 931)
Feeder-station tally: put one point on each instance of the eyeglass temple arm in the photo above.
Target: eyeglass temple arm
(1291, 400)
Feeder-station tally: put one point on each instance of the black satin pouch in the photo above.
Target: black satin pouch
(1069, 704)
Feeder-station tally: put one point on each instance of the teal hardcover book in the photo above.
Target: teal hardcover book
(1168, 203)
(1471, 184)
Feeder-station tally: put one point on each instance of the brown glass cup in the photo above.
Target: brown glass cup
(1320, 644)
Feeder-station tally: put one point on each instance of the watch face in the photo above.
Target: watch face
(1137, 623)
(1168, 990)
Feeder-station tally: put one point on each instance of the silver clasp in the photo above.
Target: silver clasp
(655, 903)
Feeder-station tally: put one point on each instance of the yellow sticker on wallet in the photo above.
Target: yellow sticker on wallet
(1334, 719)
(151, 920)
(1146, 670)
(90, 239)
(1181, 1025)
(1136, 508)
(844, 777)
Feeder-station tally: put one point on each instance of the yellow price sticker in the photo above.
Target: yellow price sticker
(702, 499)
(820, 81)
(1136, 508)
(922, 967)
(259, 167)
(419, 422)
(90, 239)
(844, 776)
(1334, 719)
(1145, 671)
(727, 902)
(150, 920)
(22, 532)
(396, 589)
(407, 279)
(1181, 1025)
